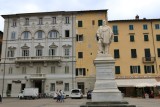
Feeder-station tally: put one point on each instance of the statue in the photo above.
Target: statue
(104, 37)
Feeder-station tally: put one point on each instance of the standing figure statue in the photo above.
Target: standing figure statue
(104, 37)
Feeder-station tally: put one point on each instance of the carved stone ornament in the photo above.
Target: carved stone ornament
(11, 47)
(66, 46)
(39, 46)
(53, 45)
(25, 46)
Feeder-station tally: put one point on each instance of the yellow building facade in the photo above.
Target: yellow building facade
(135, 47)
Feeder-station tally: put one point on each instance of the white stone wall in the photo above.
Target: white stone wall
(33, 27)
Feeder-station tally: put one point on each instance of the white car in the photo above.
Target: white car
(76, 93)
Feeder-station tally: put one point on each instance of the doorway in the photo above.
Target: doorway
(38, 84)
(81, 86)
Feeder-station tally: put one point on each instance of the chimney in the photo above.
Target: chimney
(137, 17)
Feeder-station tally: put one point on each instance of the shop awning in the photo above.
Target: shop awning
(136, 82)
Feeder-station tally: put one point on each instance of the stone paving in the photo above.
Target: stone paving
(49, 102)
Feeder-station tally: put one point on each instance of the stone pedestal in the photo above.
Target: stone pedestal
(106, 93)
(105, 87)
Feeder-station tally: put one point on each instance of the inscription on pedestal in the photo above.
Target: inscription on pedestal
(105, 74)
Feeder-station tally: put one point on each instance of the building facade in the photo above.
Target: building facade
(56, 50)
(38, 51)
(86, 46)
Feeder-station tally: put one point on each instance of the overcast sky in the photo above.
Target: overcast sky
(117, 9)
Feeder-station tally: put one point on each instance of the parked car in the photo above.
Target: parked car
(89, 94)
(76, 93)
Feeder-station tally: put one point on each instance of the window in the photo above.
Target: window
(13, 36)
(80, 71)
(26, 35)
(133, 53)
(52, 88)
(67, 20)
(158, 52)
(131, 38)
(54, 20)
(80, 24)
(147, 53)
(40, 21)
(25, 52)
(117, 69)
(66, 51)
(10, 70)
(145, 27)
(40, 33)
(10, 53)
(131, 27)
(39, 52)
(26, 21)
(149, 69)
(100, 22)
(79, 37)
(115, 29)
(93, 22)
(115, 38)
(23, 70)
(66, 86)
(116, 53)
(66, 69)
(146, 37)
(14, 24)
(53, 34)
(66, 33)
(134, 69)
(53, 69)
(80, 54)
(158, 37)
(157, 26)
(38, 70)
(52, 52)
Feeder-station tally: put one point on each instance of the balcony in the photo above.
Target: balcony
(37, 76)
(38, 59)
(148, 59)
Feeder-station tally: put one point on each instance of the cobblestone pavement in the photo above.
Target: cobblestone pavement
(15, 102)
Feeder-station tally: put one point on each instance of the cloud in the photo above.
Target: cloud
(118, 9)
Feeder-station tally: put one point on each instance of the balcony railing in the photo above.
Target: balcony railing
(38, 59)
(37, 76)
(148, 59)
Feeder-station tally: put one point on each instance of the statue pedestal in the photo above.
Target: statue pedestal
(106, 93)
(105, 87)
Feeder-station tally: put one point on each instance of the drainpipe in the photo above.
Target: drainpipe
(154, 47)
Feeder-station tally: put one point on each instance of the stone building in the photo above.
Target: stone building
(38, 51)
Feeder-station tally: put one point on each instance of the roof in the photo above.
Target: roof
(52, 13)
(135, 20)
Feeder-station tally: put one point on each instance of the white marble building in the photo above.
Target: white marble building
(38, 51)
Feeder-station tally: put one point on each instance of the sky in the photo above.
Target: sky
(117, 9)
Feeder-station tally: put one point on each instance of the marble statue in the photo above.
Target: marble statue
(104, 37)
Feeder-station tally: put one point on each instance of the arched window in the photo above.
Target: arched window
(39, 34)
(26, 35)
(53, 34)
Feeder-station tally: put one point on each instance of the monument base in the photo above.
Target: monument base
(108, 104)
(106, 95)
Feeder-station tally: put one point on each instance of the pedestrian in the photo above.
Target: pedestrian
(0, 98)
(58, 96)
(62, 95)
